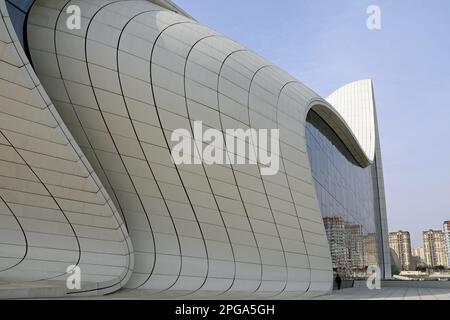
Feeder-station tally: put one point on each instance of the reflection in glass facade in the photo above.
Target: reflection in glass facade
(348, 196)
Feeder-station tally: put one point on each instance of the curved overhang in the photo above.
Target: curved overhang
(354, 103)
(342, 128)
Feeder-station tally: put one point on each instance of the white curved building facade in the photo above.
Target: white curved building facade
(87, 177)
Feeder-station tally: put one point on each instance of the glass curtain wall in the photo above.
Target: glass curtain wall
(348, 200)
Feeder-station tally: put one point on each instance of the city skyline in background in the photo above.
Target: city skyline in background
(445, 227)
(432, 256)
(407, 60)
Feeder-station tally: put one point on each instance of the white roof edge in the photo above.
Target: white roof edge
(168, 4)
(355, 104)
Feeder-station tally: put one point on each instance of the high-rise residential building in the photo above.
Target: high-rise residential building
(400, 242)
(435, 248)
(88, 118)
(419, 253)
(446, 230)
(418, 257)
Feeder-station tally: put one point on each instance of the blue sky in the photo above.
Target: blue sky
(326, 44)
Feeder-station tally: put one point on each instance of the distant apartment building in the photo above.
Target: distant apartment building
(435, 248)
(400, 243)
(419, 255)
(446, 229)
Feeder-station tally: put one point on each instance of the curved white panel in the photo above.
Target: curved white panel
(355, 104)
(54, 212)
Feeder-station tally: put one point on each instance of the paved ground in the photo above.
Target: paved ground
(21, 291)
(386, 293)
(389, 293)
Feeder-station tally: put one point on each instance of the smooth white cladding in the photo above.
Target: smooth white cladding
(54, 211)
(355, 103)
(131, 75)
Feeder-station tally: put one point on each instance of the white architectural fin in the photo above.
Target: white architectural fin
(355, 103)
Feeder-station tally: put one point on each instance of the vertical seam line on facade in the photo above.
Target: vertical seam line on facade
(114, 210)
(260, 175)
(120, 210)
(109, 132)
(203, 165)
(232, 169)
(23, 232)
(126, 238)
(289, 186)
(145, 156)
(168, 146)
